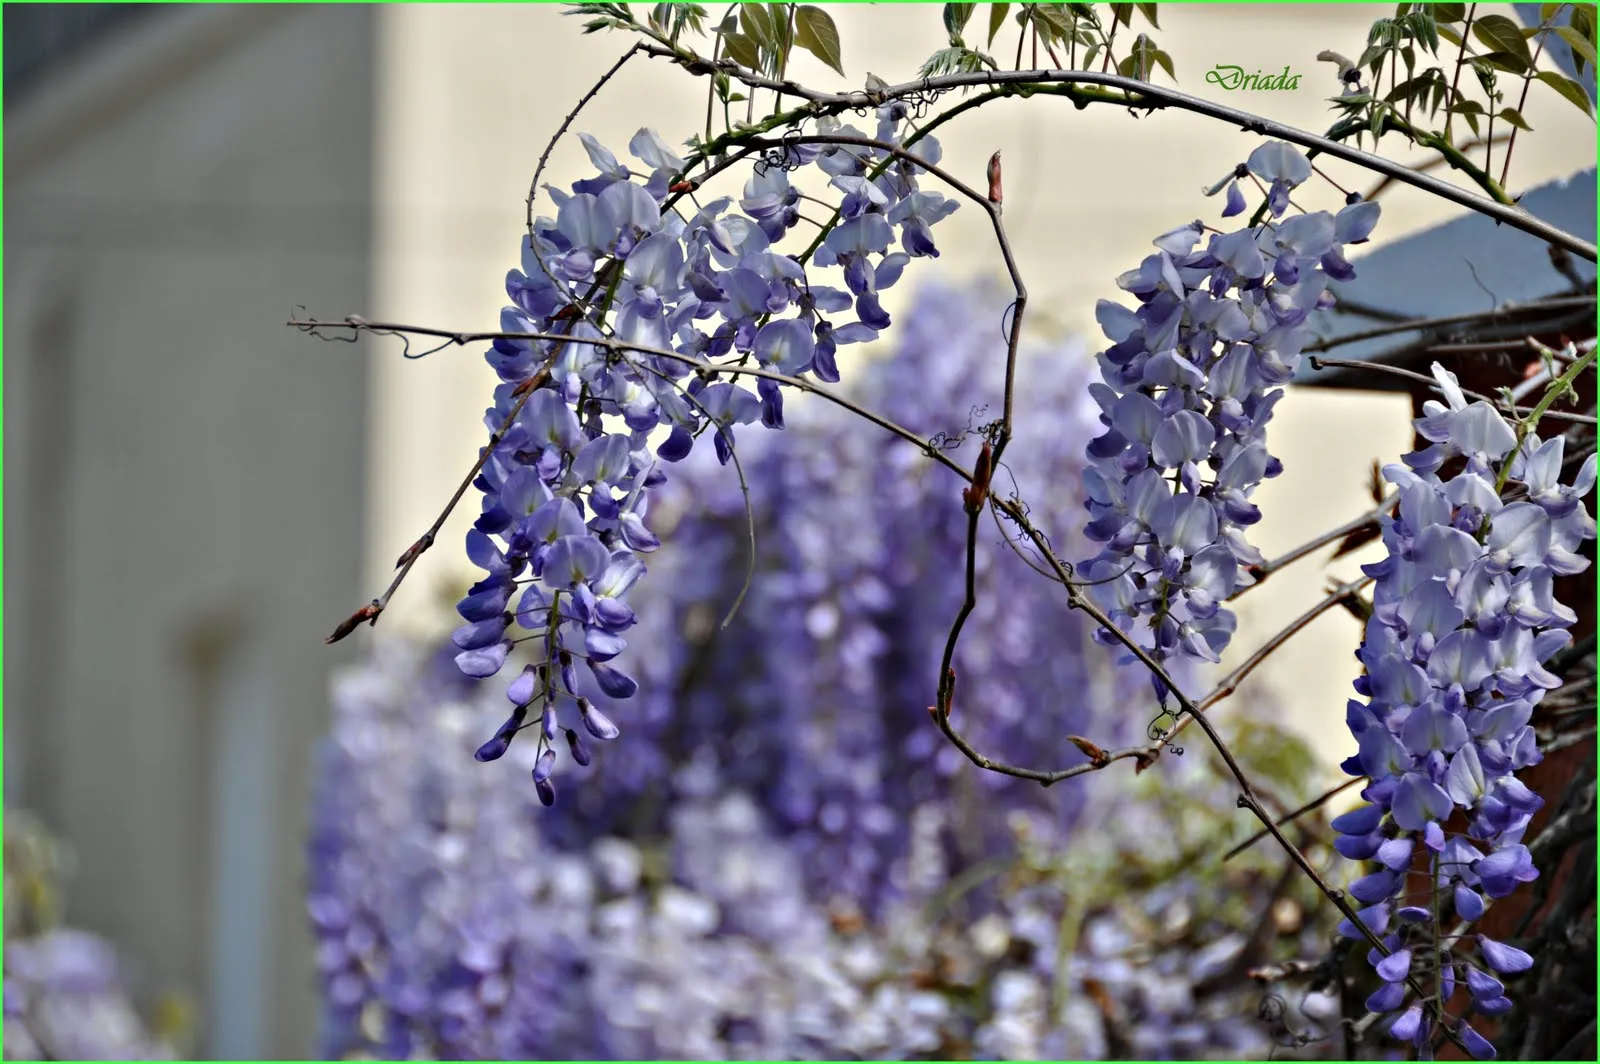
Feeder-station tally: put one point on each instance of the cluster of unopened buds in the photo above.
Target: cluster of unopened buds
(1190, 382)
(568, 479)
(1464, 619)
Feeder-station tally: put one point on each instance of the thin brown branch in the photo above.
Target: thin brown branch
(1504, 310)
(1266, 569)
(1515, 411)
(1316, 803)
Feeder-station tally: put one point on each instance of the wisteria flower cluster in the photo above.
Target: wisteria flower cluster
(452, 924)
(1463, 621)
(861, 619)
(65, 997)
(1189, 385)
(773, 865)
(567, 486)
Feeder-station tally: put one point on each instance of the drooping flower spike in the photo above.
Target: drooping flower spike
(1463, 621)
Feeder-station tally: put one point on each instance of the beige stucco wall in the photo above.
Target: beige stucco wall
(474, 93)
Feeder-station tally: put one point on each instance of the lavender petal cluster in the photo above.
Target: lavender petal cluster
(833, 733)
(1188, 387)
(786, 859)
(1463, 621)
(567, 485)
(65, 995)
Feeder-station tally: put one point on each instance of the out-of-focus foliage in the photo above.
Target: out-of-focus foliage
(64, 997)
(785, 858)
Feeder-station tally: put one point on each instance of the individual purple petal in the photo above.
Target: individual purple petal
(1476, 1044)
(1387, 997)
(574, 560)
(523, 688)
(614, 683)
(595, 722)
(1395, 967)
(580, 752)
(544, 767)
(1504, 869)
(1375, 887)
(1408, 1026)
(1469, 906)
(1507, 960)
(484, 662)
(1395, 854)
(1359, 821)
(546, 789)
(1482, 985)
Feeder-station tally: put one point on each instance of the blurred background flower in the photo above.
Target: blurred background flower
(782, 856)
(64, 993)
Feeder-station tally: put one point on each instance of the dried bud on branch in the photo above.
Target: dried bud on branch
(975, 493)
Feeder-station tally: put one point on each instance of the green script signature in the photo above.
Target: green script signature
(1234, 78)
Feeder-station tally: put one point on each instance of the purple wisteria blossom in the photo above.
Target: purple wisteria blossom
(1463, 622)
(786, 859)
(1187, 389)
(567, 486)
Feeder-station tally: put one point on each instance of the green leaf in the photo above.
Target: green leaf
(1514, 117)
(1149, 12)
(956, 17)
(1583, 21)
(1465, 107)
(1580, 45)
(1450, 35)
(1440, 90)
(1568, 88)
(815, 32)
(1122, 14)
(742, 50)
(1429, 34)
(1472, 123)
(1548, 11)
(757, 23)
(1164, 61)
(1051, 20)
(1500, 34)
(1448, 12)
(997, 19)
(1510, 62)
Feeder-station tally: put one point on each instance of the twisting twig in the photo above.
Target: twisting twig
(1316, 803)
(1514, 411)
(1504, 310)
(1266, 569)
(370, 612)
(566, 123)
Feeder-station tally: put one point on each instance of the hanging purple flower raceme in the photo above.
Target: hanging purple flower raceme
(1189, 385)
(1463, 621)
(567, 484)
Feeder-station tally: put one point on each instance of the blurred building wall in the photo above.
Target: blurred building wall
(184, 481)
